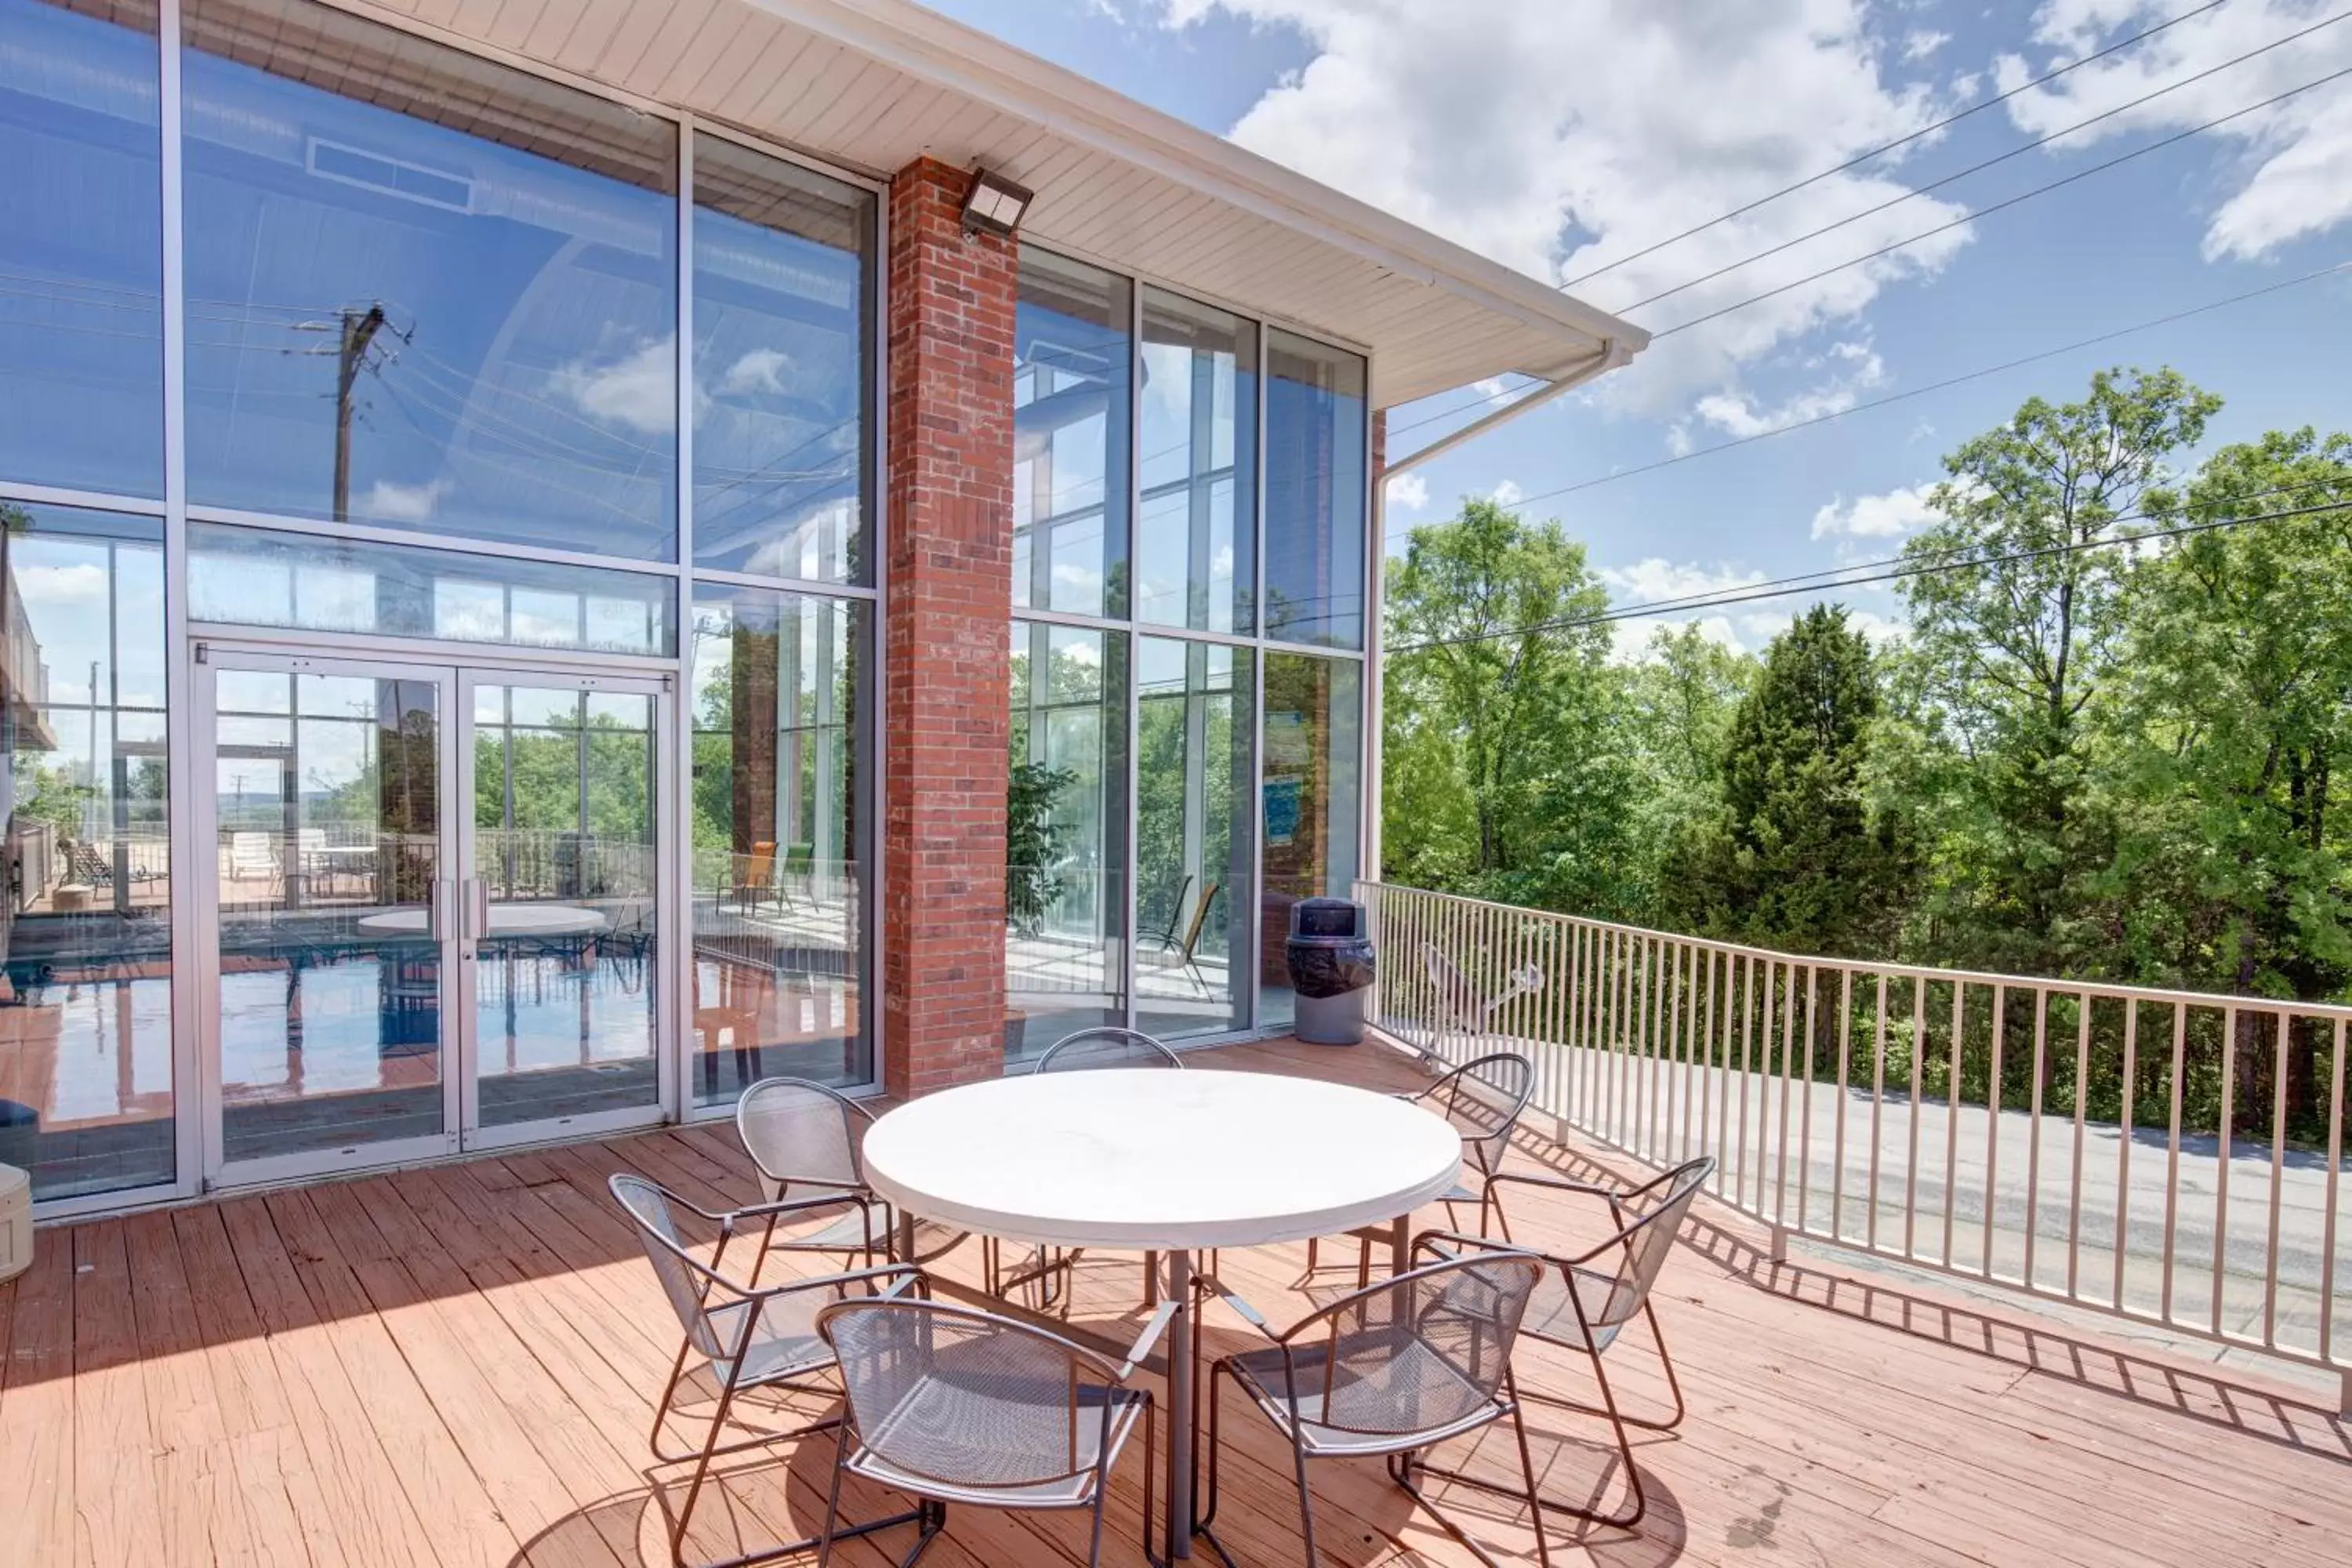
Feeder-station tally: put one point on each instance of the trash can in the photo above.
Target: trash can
(1330, 961)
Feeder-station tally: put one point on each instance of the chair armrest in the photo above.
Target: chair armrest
(1249, 1314)
(734, 1218)
(1147, 1339)
(1555, 1185)
(902, 1277)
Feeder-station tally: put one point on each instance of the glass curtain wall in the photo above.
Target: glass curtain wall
(1233, 746)
(1195, 703)
(781, 683)
(425, 291)
(1313, 821)
(82, 245)
(782, 690)
(86, 961)
(1066, 835)
(432, 321)
(1073, 371)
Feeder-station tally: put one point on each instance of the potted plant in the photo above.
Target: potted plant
(1033, 843)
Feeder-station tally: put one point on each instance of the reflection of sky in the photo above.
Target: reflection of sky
(64, 588)
(778, 368)
(533, 398)
(81, 258)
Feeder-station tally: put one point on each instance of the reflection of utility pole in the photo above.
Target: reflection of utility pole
(358, 330)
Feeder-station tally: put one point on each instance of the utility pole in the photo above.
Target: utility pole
(358, 330)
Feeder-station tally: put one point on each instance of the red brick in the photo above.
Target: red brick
(950, 485)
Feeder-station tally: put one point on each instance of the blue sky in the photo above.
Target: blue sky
(1560, 134)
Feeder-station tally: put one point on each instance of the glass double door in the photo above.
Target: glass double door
(436, 900)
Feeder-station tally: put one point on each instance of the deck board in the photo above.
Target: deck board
(458, 1364)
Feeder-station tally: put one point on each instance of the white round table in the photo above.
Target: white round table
(1165, 1161)
(505, 919)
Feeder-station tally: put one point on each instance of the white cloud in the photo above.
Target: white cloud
(1407, 492)
(1885, 516)
(639, 389)
(390, 502)
(1918, 46)
(2289, 177)
(1508, 493)
(1847, 371)
(1656, 577)
(1556, 138)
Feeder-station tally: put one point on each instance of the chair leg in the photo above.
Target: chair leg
(1305, 1497)
(1401, 1467)
(1207, 1516)
(1646, 1423)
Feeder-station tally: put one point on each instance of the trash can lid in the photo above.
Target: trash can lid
(1326, 918)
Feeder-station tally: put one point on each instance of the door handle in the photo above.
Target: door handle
(477, 909)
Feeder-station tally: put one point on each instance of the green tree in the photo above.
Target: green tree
(2240, 715)
(1680, 699)
(1795, 856)
(2017, 631)
(1500, 715)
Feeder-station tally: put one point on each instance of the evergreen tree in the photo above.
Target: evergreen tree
(1795, 857)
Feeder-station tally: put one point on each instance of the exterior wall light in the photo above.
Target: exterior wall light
(995, 204)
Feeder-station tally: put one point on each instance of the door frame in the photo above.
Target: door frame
(472, 1135)
(455, 676)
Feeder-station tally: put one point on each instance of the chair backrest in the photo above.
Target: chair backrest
(1426, 1348)
(251, 852)
(1459, 1003)
(796, 1131)
(751, 870)
(962, 1397)
(1654, 1216)
(685, 1282)
(1107, 1045)
(1200, 920)
(1485, 1124)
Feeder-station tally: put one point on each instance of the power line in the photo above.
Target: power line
(2009, 202)
(1976, 168)
(1924, 569)
(2080, 343)
(1860, 158)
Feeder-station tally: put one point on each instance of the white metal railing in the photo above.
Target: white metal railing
(2172, 1156)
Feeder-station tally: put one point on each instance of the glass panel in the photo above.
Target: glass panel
(782, 704)
(1067, 821)
(1194, 729)
(1070, 431)
(433, 292)
(245, 576)
(81, 247)
(1315, 477)
(85, 1089)
(1196, 536)
(328, 794)
(1314, 764)
(566, 1014)
(782, 377)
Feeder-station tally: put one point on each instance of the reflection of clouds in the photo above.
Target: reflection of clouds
(759, 370)
(84, 583)
(638, 389)
(394, 503)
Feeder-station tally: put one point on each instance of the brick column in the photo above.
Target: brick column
(947, 618)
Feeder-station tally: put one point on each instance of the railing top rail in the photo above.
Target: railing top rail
(2097, 989)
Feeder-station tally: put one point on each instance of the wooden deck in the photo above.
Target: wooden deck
(457, 1365)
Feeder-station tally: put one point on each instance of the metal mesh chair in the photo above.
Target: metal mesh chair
(956, 1405)
(1387, 1371)
(805, 1135)
(1485, 1120)
(747, 1337)
(1462, 1009)
(1107, 1045)
(1101, 1048)
(1589, 1298)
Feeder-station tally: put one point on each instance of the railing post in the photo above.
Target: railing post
(1779, 1242)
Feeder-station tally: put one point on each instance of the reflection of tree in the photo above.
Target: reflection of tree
(1034, 841)
(1163, 782)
